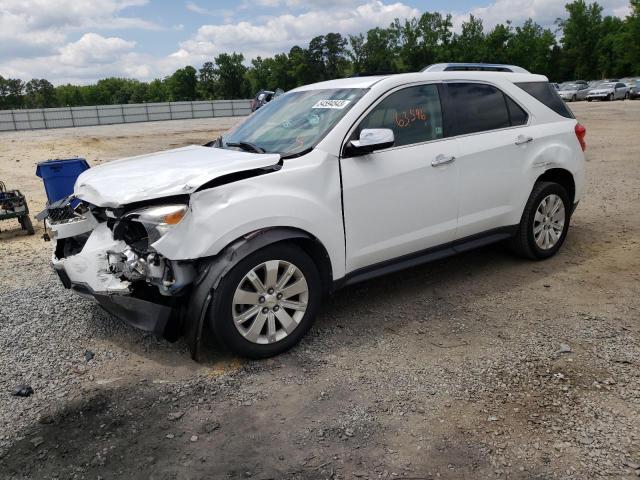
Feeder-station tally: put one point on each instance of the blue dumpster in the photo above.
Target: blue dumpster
(59, 176)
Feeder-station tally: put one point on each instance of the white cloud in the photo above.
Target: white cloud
(64, 40)
(91, 57)
(544, 12)
(93, 48)
(195, 8)
(37, 27)
(279, 33)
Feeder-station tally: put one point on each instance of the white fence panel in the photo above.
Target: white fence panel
(113, 114)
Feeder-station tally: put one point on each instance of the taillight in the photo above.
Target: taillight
(580, 133)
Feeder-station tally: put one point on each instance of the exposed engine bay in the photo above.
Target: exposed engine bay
(110, 250)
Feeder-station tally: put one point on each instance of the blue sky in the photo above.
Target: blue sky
(81, 41)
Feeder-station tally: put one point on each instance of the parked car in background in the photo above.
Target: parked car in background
(595, 83)
(572, 92)
(608, 91)
(634, 91)
(556, 86)
(263, 97)
(331, 184)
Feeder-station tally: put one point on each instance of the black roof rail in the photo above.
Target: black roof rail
(474, 67)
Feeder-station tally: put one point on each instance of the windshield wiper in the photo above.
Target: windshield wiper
(246, 146)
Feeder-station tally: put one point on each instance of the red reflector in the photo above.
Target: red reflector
(580, 133)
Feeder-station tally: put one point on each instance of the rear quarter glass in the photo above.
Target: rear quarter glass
(545, 93)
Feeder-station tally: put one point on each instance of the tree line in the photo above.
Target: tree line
(590, 46)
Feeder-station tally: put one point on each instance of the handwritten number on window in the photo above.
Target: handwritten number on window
(407, 117)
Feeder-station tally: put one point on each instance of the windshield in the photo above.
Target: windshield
(571, 87)
(607, 85)
(295, 121)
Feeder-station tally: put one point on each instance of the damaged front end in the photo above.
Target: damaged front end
(108, 254)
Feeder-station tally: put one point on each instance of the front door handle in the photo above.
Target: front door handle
(521, 140)
(442, 160)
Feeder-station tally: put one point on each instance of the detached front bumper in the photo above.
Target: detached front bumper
(89, 274)
(142, 314)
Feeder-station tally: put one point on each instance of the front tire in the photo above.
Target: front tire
(545, 222)
(266, 303)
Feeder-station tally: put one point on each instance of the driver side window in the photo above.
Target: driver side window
(414, 114)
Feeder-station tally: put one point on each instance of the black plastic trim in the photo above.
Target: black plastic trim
(428, 255)
(237, 176)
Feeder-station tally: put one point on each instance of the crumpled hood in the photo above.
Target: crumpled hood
(162, 174)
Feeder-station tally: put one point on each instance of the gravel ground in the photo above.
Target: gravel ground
(478, 366)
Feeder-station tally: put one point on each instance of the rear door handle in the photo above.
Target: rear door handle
(442, 160)
(521, 140)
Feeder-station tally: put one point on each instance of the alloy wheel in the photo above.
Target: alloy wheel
(270, 301)
(548, 222)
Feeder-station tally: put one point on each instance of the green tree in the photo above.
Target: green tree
(469, 46)
(531, 47)
(181, 86)
(207, 81)
(157, 91)
(580, 35)
(230, 72)
(14, 97)
(631, 39)
(375, 53)
(498, 44)
(611, 48)
(419, 42)
(334, 51)
(39, 94)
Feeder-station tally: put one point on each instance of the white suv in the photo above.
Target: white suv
(330, 184)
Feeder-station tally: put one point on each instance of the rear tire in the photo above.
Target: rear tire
(545, 222)
(279, 322)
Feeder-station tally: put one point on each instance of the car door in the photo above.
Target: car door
(402, 199)
(493, 144)
(621, 90)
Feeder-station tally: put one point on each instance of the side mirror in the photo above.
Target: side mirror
(371, 139)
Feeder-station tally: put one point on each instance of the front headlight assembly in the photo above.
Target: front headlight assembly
(159, 220)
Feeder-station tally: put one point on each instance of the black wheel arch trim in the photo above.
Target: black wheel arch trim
(214, 268)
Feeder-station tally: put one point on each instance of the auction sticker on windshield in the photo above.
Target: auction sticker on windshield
(339, 104)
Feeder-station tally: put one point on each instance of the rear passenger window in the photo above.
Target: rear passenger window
(545, 93)
(516, 114)
(479, 107)
(413, 113)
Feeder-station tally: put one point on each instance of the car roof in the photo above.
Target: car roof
(402, 78)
